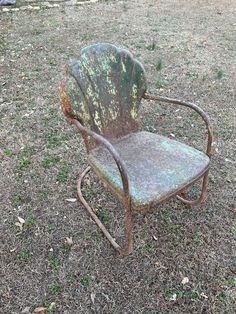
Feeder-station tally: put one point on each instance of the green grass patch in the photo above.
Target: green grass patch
(152, 46)
(103, 215)
(20, 199)
(233, 232)
(29, 222)
(54, 263)
(220, 74)
(191, 74)
(86, 280)
(23, 254)
(63, 173)
(49, 161)
(24, 163)
(56, 289)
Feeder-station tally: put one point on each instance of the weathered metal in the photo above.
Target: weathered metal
(195, 108)
(103, 89)
(101, 96)
(154, 165)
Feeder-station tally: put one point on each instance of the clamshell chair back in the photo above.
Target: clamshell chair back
(103, 90)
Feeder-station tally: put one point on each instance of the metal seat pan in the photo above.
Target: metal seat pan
(157, 167)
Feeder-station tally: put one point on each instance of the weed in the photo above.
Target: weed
(55, 140)
(191, 74)
(51, 306)
(70, 276)
(42, 195)
(158, 81)
(29, 222)
(54, 263)
(198, 237)
(49, 161)
(51, 228)
(86, 280)
(28, 152)
(24, 163)
(181, 293)
(191, 295)
(168, 293)
(148, 248)
(74, 234)
(87, 37)
(23, 254)
(223, 297)
(168, 222)
(233, 281)
(56, 289)
(103, 215)
(19, 199)
(233, 232)
(63, 173)
(159, 65)
(152, 46)
(194, 115)
(8, 153)
(220, 73)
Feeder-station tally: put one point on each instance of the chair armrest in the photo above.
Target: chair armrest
(119, 162)
(195, 108)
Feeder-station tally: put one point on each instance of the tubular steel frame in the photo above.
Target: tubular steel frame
(126, 200)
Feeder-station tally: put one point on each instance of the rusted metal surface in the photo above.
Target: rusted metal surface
(128, 214)
(103, 89)
(126, 200)
(157, 167)
(101, 96)
(195, 108)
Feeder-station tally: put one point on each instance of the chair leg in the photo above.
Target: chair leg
(128, 220)
(203, 195)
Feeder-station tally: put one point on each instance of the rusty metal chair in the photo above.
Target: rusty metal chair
(101, 96)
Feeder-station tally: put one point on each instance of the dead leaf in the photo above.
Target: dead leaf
(21, 220)
(93, 297)
(18, 224)
(185, 280)
(174, 297)
(69, 240)
(87, 181)
(52, 306)
(26, 310)
(40, 309)
(203, 295)
(72, 200)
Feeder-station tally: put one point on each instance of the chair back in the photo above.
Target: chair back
(103, 90)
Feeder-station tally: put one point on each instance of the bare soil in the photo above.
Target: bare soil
(55, 257)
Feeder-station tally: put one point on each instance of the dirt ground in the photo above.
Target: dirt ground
(52, 255)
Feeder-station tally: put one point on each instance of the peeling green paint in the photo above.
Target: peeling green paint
(106, 85)
(152, 167)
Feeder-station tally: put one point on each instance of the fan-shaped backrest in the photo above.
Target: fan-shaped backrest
(103, 89)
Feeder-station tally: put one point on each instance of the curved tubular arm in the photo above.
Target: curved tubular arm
(195, 108)
(119, 162)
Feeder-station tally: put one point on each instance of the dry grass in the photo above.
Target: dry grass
(188, 50)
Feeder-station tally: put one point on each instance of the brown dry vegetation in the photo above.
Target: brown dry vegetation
(188, 51)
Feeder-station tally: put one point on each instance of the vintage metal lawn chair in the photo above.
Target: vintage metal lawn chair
(101, 96)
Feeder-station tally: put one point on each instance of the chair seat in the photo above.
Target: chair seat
(157, 167)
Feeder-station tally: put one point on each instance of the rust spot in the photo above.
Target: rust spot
(64, 101)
